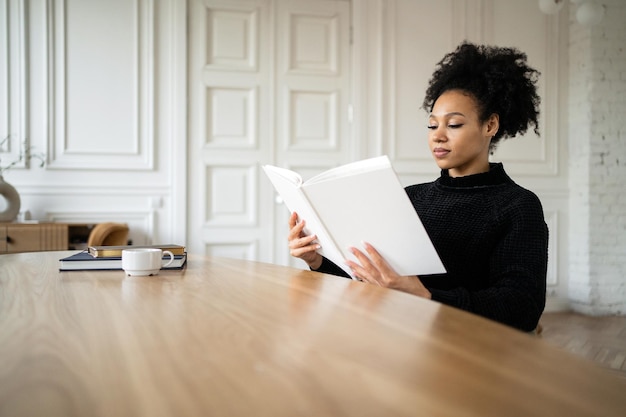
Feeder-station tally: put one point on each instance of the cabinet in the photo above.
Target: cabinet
(35, 237)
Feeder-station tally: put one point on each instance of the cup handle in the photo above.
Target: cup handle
(171, 255)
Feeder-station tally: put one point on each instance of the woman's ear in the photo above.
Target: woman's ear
(492, 125)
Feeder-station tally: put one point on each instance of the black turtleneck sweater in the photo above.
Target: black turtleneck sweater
(492, 238)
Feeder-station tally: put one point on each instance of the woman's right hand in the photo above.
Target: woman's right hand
(301, 245)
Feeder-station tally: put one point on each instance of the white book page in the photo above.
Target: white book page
(373, 207)
(284, 174)
(353, 168)
(295, 200)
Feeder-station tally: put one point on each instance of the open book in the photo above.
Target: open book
(360, 202)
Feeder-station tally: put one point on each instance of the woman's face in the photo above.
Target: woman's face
(458, 141)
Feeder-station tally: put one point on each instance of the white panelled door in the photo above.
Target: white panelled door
(268, 84)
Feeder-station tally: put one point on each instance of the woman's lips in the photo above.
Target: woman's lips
(440, 152)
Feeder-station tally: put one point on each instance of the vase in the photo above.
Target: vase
(12, 198)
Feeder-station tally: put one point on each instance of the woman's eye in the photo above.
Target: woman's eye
(455, 126)
(432, 127)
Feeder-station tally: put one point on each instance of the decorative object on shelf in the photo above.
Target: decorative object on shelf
(589, 12)
(12, 200)
(7, 191)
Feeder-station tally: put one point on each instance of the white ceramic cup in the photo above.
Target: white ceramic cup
(144, 261)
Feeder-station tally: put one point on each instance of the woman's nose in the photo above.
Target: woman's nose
(438, 135)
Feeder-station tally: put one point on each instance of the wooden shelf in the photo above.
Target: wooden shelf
(36, 237)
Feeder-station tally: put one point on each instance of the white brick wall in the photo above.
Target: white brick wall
(597, 147)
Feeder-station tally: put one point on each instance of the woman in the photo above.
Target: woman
(489, 232)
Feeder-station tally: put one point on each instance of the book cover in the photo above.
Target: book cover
(116, 251)
(363, 201)
(82, 261)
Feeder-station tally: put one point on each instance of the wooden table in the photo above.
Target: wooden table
(233, 338)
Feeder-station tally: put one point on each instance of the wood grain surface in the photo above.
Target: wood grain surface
(228, 337)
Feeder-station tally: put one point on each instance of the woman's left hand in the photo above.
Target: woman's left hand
(373, 269)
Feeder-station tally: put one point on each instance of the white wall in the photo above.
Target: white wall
(397, 44)
(99, 86)
(597, 137)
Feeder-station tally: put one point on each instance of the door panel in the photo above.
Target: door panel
(229, 129)
(312, 95)
(269, 84)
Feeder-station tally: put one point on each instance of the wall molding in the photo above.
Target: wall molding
(139, 155)
(96, 190)
(547, 163)
(142, 223)
(475, 20)
(13, 79)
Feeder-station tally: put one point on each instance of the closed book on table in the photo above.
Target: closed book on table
(82, 261)
(116, 251)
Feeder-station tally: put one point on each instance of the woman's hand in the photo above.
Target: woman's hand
(374, 269)
(303, 246)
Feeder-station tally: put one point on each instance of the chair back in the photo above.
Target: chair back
(108, 234)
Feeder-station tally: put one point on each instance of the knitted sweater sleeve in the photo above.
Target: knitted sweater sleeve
(518, 266)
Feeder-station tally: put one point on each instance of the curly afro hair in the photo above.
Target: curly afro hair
(500, 81)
